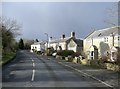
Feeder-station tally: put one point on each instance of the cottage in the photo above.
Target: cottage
(101, 42)
(114, 53)
(75, 45)
(38, 46)
(67, 43)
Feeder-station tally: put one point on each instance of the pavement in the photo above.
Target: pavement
(30, 70)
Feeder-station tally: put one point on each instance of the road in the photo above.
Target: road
(31, 70)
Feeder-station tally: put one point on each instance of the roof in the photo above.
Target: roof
(37, 43)
(115, 48)
(77, 41)
(60, 40)
(104, 32)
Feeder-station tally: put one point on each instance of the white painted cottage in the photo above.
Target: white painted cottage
(67, 43)
(101, 42)
(38, 46)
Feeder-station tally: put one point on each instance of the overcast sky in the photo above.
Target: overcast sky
(57, 18)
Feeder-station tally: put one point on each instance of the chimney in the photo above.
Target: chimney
(50, 39)
(63, 36)
(72, 34)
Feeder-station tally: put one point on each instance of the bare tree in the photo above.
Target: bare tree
(11, 25)
(112, 12)
(9, 29)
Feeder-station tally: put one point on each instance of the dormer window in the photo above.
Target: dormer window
(99, 34)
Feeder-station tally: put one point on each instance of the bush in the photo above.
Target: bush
(70, 59)
(104, 59)
(76, 54)
(50, 51)
(65, 53)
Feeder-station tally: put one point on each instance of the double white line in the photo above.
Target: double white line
(33, 71)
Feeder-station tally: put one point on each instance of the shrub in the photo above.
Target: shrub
(65, 53)
(50, 51)
(76, 54)
(70, 59)
(104, 59)
(118, 57)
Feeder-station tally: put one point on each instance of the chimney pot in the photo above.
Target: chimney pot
(72, 34)
(63, 36)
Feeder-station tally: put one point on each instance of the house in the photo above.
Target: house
(114, 53)
(75, 45)
(38, 46)
(100, 42)
(67, 43)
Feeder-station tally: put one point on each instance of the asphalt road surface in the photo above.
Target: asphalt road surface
(30, 70)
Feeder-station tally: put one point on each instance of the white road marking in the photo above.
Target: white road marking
(33, 75)
(86, 74)
(33, 71)
(32, 60)
(33, 64)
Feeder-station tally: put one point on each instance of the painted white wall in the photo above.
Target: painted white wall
(63, 45)
(101, 44)
(38, 47)
(72, 46)
(54, 45)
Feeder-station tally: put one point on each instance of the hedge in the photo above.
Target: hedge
(65, 53)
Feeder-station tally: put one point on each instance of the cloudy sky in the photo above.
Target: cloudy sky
(56, 18)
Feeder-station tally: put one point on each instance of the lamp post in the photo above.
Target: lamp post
(47, 39)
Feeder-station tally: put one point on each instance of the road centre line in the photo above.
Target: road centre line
(33, 64)
(32, 60)
(33, 75)
(33, 71)
(86, 74)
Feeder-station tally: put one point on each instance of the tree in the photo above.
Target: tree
(112, 12)
(27, 44)
(21, 44)
(7, 37)
(9, 29)
(11, 25)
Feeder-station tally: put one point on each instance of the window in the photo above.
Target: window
(118, 38)
(106, 39)
(92, 53)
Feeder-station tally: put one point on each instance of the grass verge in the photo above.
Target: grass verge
(7, 57)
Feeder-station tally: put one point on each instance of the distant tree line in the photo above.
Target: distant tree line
(25, 44)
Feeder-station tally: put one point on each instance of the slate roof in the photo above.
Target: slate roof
(60, 40)
(104, 32)
(79, 42)
(36, 43)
